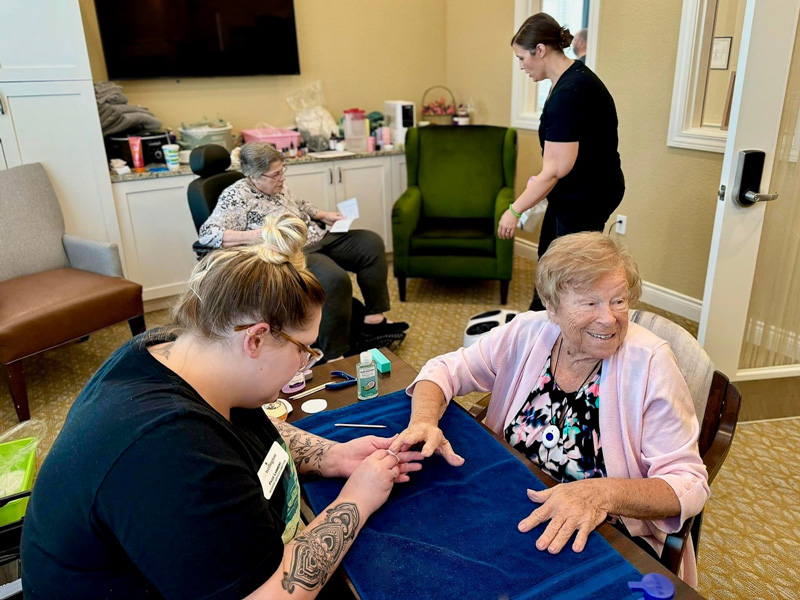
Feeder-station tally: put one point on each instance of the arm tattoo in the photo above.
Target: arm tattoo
(316, 551)
(307, 450)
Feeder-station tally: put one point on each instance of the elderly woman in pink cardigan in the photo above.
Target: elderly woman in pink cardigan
(595, 401)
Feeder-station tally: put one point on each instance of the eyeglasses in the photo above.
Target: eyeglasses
(278, 175)
(312, 354)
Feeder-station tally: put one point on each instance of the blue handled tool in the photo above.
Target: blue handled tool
(333, 385)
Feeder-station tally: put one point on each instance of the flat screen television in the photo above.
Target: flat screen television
(144, 39)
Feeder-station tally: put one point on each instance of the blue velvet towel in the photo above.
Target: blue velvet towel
(452, 532)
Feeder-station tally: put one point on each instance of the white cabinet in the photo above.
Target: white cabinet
(369, 180)
(48, 112)
(157, 230)
(56, 123)
(157, 233)
(42, 40)
(313, 182)
(399, 178)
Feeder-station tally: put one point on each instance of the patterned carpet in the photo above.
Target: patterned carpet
(750, 542)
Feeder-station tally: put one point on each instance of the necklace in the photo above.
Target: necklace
(552, 433)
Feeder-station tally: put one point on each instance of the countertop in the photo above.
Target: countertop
(184, 170)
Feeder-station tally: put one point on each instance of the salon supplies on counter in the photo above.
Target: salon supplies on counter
(367, 374)
(356, 130)
(314, 406)
(384, 364)
(207, 132)
(348, 380)
(282, 139)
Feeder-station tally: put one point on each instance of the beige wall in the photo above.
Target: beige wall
(363, 51)
(479, 56)
(670, 198)
(671, 193)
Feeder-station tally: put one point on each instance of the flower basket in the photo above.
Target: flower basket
(439, 111)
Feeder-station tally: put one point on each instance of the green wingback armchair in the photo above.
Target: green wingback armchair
(460, 181)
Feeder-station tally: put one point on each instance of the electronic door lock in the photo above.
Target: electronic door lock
(749, 169)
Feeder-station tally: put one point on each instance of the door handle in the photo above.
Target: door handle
(753, 197)
(340, 174)
(2, 110)
(330, 174)
(749, 169)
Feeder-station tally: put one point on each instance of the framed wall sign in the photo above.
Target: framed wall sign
(720, 53)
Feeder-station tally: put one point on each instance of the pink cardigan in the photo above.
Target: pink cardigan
(647, 423)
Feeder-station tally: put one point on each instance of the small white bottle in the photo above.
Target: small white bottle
(367, 375)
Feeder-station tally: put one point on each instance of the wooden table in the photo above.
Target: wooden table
(401, 377)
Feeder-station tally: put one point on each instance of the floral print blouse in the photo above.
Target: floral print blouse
(577, 454)
(242, 207)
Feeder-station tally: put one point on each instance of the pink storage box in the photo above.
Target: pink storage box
(282, 139)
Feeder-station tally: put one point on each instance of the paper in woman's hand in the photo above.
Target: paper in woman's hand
(349, 208)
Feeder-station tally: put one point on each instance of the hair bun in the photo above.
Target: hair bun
(566, 37)
(284, 237)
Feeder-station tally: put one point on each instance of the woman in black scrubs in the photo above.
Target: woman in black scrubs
(581, 175)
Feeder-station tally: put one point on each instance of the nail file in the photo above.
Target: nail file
(384, 364)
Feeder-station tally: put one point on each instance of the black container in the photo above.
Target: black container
(117, 146)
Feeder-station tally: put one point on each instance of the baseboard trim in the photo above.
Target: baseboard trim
(658, 296)
(526, 249)
(159, 303)
(672, 301)
(766, 373)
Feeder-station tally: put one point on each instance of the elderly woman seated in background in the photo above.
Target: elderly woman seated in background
(597, 402)
(240, 213)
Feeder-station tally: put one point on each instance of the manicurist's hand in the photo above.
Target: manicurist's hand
(577, 506)
(507, 226)
(372, 481)
(348, 456)
(434, 441)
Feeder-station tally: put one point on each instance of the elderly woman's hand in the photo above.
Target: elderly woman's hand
(507, 226)
(329, 218)
(434, 440)
(577, 506)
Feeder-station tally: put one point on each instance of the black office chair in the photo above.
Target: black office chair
(211, 164)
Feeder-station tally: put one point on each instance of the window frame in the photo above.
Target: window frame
(689, 86)
(522, 89)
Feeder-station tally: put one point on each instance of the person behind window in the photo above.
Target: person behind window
(579, 46)
(596, 402)
(240, 213)
(169, 481)
(581, 175)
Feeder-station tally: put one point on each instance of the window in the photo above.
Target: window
(528, 98)
(705, 72)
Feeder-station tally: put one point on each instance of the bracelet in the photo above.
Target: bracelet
(513, 212)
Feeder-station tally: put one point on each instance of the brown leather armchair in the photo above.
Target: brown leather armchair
(54, 288)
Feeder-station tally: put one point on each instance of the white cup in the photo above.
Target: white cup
(171, 156)
(183, 156)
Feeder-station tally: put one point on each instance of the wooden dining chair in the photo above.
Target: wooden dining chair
(716, 407)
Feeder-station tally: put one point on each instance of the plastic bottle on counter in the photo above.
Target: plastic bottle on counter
(367, 375)
(292, 150)
(332, 142)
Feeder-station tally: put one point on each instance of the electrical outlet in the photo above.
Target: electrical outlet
(622, 223)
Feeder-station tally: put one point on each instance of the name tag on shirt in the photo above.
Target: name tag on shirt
(272, 468)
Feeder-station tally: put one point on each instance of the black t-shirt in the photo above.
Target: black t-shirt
(148, 492)
(580, 109)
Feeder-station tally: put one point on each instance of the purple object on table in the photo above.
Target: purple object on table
(654, 587)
